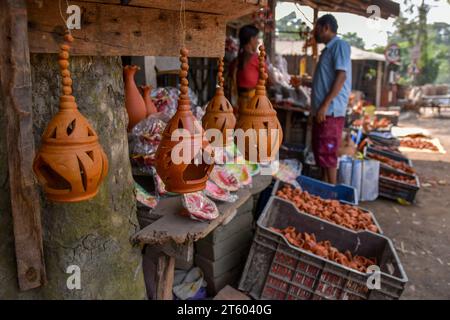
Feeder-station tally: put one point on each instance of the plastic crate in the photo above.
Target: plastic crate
(395, 157)
(328, 191)
(280, 184)
(277, 270)
(372, 149)
(393, 189)
(383, 140)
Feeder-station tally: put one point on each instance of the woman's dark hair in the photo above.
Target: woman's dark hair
(246, 33)
(328, 20)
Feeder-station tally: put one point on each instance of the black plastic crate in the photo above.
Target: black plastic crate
(277, 270)
(392, 141)
(395, 157)
(280, 184)
(390, 154)
(393, 189)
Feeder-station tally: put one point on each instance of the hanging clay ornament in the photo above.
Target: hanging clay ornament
(219, 113)
(265, 136)
(149, 105)
(134, 103)
(184, 159)
(70, 163)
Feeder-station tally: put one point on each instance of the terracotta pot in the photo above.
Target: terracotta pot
(259, 114)
(219, 113)
(70, 163)
(149, 105)
(133, 100)
(183, 176)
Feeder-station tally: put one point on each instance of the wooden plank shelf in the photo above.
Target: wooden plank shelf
(172, 227)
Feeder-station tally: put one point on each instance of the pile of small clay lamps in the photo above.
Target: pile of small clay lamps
(324, 249)
(399, 178)
(420, 144)
(392, 163)
(330, 210)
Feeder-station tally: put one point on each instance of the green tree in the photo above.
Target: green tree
(415, 31)
(354, 40)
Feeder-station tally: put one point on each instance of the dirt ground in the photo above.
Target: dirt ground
(421, 232)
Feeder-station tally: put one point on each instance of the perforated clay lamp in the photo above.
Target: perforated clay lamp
(219, 112)
(134, 103)
(70, 163)
(259, 114)
(184, 176)
(149, 105)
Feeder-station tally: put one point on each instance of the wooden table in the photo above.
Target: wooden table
(172, 236)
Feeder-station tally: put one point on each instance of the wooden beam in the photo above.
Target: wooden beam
(229, 8)
(359, 7)
(15, 76)
(114, 30)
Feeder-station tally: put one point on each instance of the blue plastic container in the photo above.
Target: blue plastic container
(327, 191)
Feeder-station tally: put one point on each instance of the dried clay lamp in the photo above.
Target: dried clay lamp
(70, 163)
(219, 112)
(257, 115)
(183, 176)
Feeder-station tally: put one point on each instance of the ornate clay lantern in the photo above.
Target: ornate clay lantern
(70, 163)
(190, 173)
(219, 112)
(258, 115)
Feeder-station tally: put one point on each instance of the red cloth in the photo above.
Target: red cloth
(248, 77)
(326, 139)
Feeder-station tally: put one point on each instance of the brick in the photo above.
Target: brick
(213, 269)
(216, 251)
(239, 223)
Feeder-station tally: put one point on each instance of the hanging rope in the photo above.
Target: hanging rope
(304, 15)
(62, 16)
(183, 22)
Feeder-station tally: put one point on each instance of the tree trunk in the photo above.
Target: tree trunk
(93, 235)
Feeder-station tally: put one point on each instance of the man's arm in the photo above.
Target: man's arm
(338, 84)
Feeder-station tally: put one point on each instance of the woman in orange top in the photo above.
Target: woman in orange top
(246, 68)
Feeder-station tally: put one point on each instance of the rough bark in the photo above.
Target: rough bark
(94, 235)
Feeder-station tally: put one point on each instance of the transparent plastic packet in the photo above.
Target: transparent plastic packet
(144, 139)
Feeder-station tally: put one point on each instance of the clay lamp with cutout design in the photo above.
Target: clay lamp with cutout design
(258, 115)
(70, 164)
(184, 172)
(219, 113)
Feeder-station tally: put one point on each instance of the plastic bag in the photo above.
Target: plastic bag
(363, 175)
(144, 139)
(288, 170)
(189, 285)
(199, 207)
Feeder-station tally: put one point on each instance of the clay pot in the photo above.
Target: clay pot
(134, 103)
(219, 113)
(184, 176)
(259, 114)
(70, 163)
(149, 105)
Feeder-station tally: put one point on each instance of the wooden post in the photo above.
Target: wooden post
(315, 61)
(379, 83)
(165, 271)
(269, 37)
(15, 79)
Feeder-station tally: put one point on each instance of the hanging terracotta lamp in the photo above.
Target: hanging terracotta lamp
(262, 142)
(219, 113)
(70, 163)
(190, 173)
(149, 105)
(134, 103)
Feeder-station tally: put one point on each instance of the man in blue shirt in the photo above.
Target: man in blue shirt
(330, 93)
